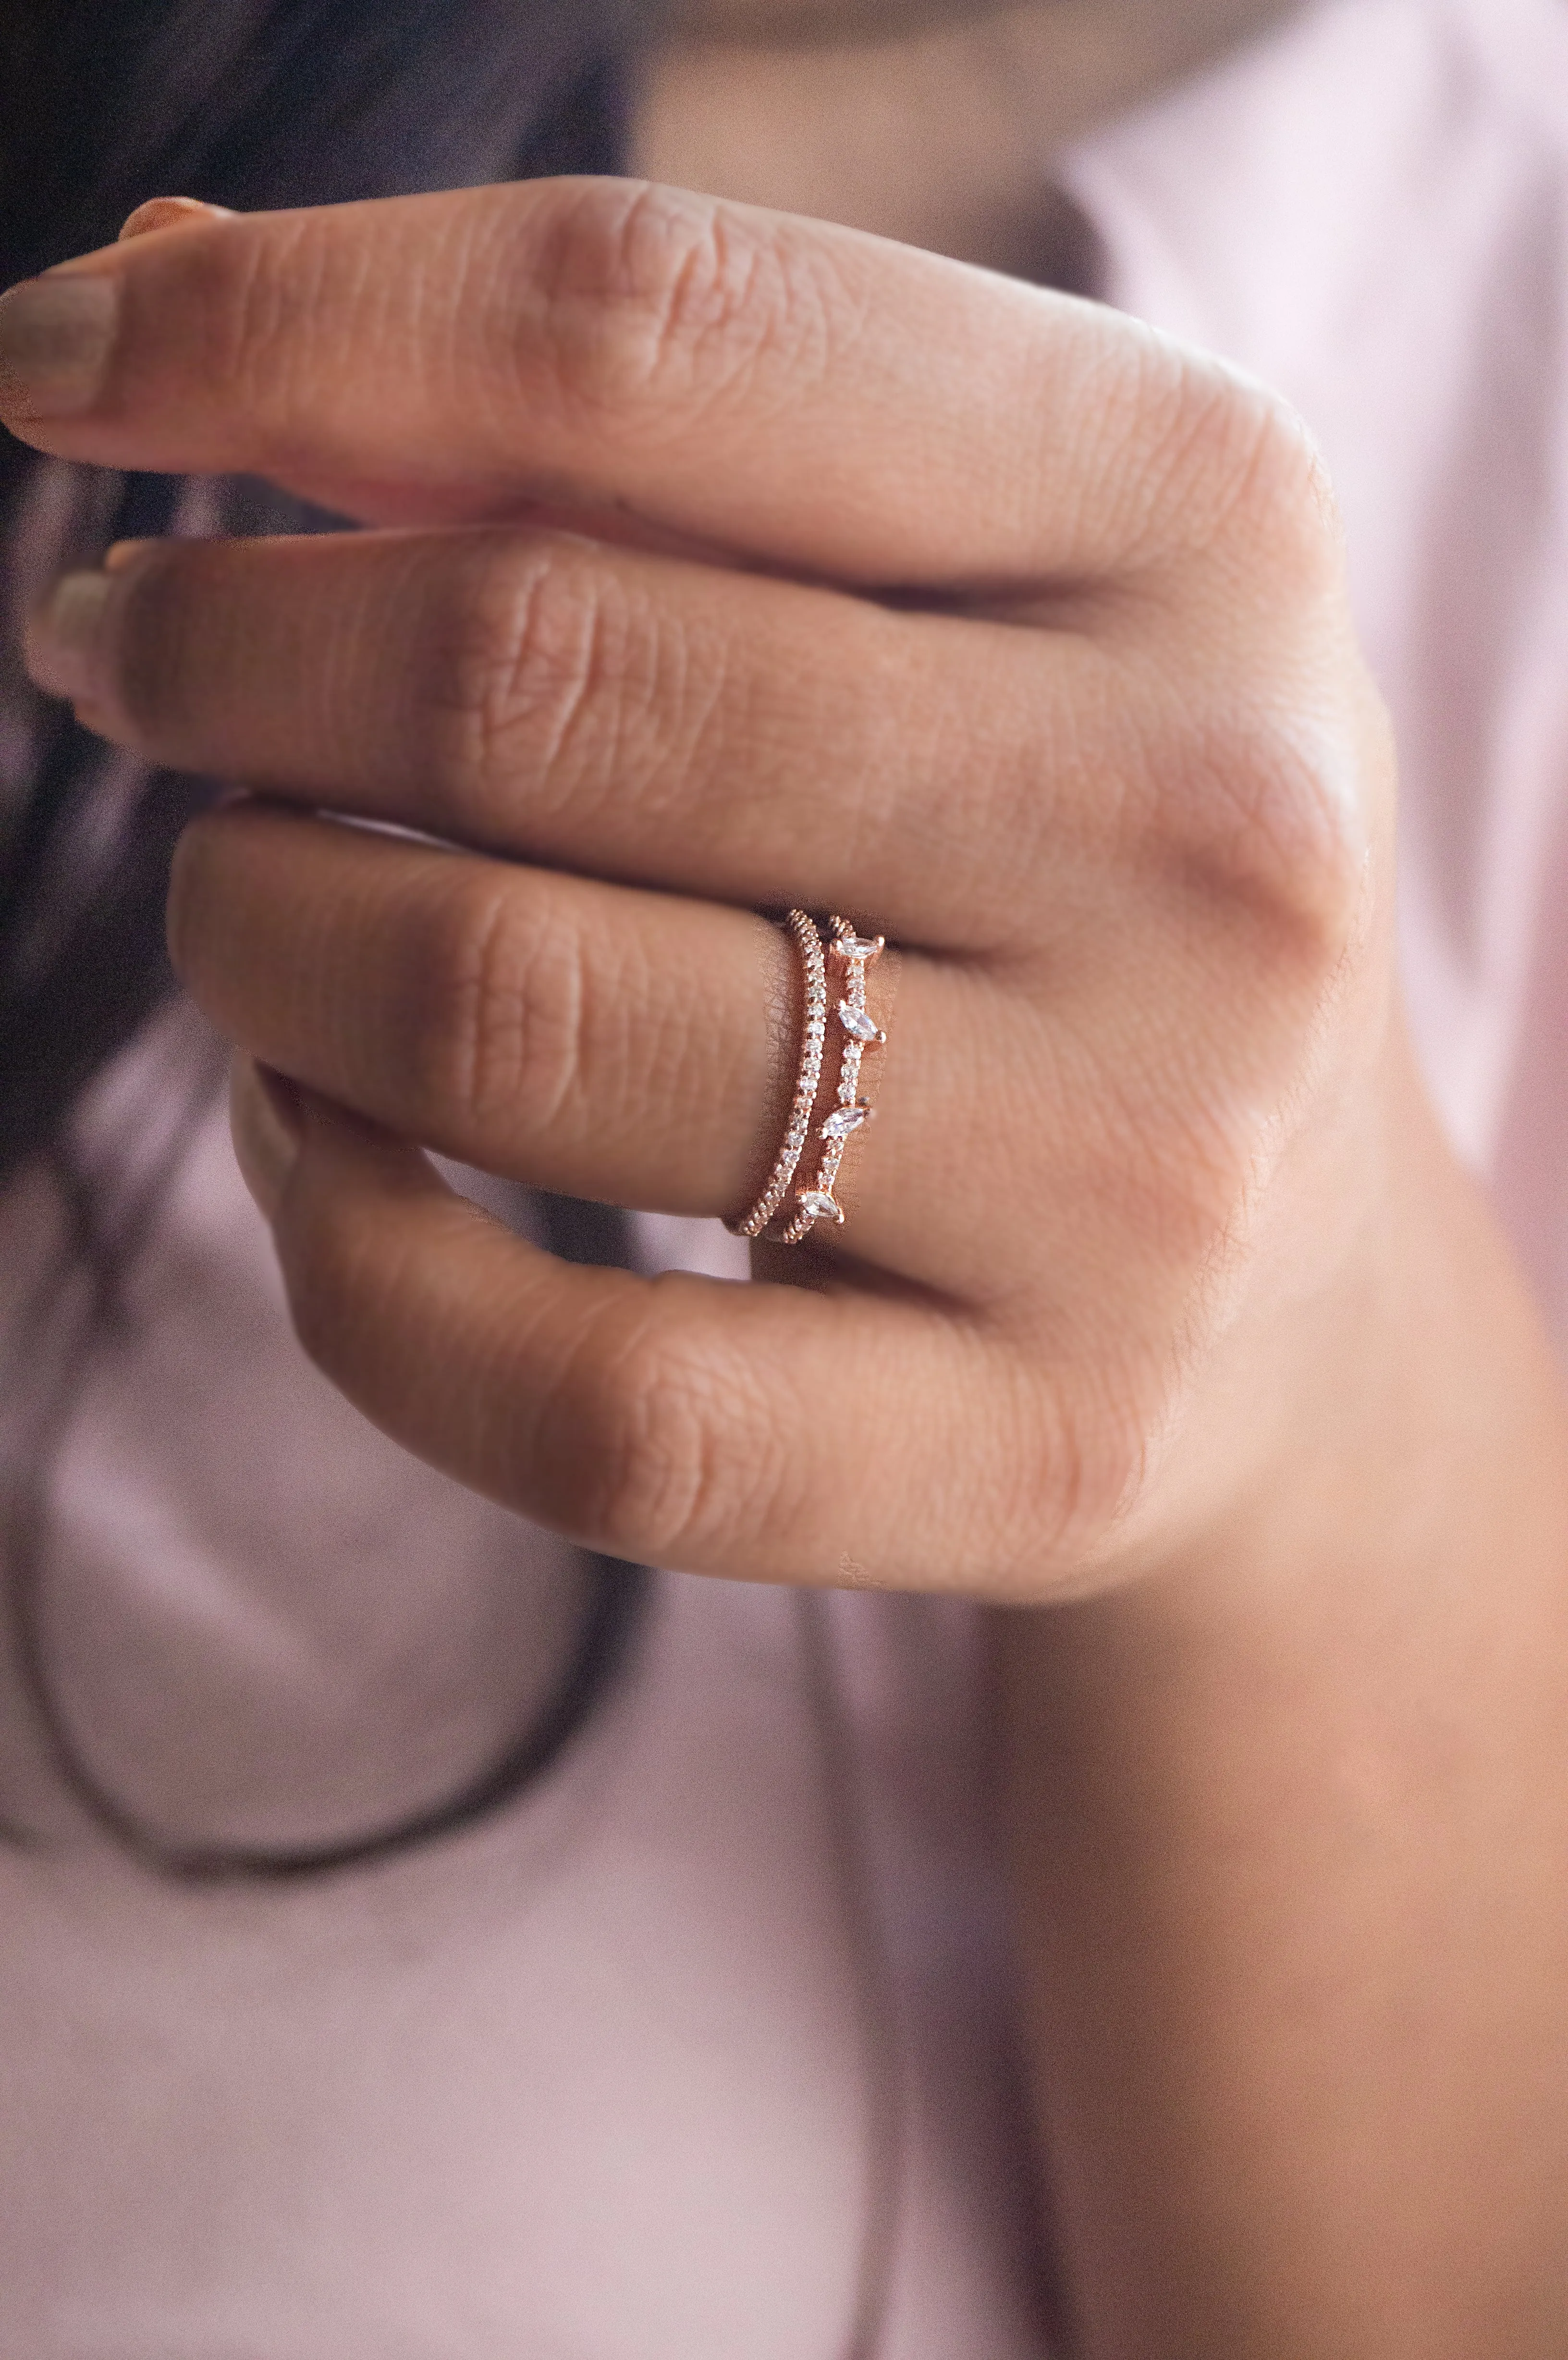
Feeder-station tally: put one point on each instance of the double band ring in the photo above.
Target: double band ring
(858, 1031)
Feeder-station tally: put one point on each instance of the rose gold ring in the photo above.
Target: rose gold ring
(817, 1202)
(814, 1035)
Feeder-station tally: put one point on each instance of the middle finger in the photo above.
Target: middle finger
(642, 719)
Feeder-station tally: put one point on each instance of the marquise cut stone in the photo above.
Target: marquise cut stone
(844, 1120)
(857, 1024)
(818, 1205)
(855, 946)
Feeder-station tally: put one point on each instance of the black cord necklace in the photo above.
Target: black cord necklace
(617, 1593)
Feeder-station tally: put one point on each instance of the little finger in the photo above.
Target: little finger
(678, 1421)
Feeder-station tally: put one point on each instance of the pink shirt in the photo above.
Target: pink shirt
(1370, 210)
(633, 2069)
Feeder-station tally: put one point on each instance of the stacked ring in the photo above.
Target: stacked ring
(809, 943)
(817, 1202)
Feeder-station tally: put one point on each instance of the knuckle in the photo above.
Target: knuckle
(682, 1460)
(531, 669)
(654, 291)
(1113, 1444)
(265, 311)
(1262, 814)
(1265, 758)
(1068, 1463)
(495, 1006)
(1232, 469)
(1283, 501)
(1264, 754)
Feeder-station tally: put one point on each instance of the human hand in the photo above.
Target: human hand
(729, 562)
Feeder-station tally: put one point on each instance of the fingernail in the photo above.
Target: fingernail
(55, 335)
(168, 212)
(264, 1122)
(66, 642)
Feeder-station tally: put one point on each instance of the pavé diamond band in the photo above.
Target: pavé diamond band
(813, 1034)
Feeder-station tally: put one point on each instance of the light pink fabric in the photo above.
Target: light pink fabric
(1370, 212)
(610, 2073)
(599, 2079)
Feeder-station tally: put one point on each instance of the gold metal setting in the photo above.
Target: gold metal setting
(818, 1203)
(814, 1035)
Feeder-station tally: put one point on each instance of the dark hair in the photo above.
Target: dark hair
(251, 104)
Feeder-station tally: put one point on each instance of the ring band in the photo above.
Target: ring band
(814, 1035)
(818, 1202)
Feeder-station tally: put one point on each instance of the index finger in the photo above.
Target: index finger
(819, 398)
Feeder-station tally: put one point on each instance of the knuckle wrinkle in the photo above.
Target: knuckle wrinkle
(663, 297)
(499, 1013)
(539, 645)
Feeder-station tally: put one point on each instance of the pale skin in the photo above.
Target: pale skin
(1162, 1316)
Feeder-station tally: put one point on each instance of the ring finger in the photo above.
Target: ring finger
(594, 1039)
